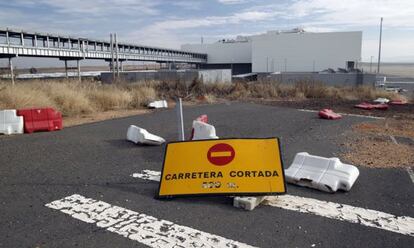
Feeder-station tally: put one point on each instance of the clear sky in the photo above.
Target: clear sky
(171, 23)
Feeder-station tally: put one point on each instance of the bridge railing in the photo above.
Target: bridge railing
(40, 44)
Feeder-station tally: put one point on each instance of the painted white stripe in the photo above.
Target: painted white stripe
(355, 115)
(409, 170)
(143, 228)
(393, 140)
(148, 175)
(366, 217)
(411, 173)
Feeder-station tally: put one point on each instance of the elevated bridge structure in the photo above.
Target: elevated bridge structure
(14, 43)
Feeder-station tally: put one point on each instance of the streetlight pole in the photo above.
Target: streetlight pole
(379, 48)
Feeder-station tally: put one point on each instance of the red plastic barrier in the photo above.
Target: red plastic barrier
(329, 114)
(382, 106)
(202, 118)
(41, 119)
(398, 102)
(365, 105)
(370, 106)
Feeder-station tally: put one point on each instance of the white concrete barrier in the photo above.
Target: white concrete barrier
(142, 136)
(203, 131)
(158, 104)
(10, 123)
(326, 174)
(381, 100)
(248, 202)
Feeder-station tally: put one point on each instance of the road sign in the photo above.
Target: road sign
(228, 166)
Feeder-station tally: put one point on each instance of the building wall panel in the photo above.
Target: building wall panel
(304, 51)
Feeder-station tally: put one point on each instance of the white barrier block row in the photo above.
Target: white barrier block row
(10, 123)
(158, 104)
(326, 174)
(142, 136)
(203, 131)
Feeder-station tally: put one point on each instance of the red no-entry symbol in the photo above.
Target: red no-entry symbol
(221, 154)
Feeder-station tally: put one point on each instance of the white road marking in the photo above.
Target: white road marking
(143, 228)
(366, 217)
(148, 175)
(411, 173)
(393, 140)
(355, 115)
(409, 170)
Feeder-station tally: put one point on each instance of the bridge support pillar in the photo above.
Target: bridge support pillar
(66, 60)
(66, 69)
(11, 69)
(79, 70)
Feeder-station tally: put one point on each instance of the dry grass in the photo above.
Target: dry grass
(306, 90)
(68, 98)
(23, 96)
(74, 99)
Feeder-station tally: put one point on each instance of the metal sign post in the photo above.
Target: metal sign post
(179, 109)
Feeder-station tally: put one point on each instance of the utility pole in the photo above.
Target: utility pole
(179, 109)
(379, 48)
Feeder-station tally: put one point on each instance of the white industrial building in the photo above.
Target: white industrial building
(283, 51)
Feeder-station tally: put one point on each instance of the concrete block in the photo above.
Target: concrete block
(142, 136)
(10, 123)
(248, 203)
(381, 100)
(203, 131)
(158, 104)
(325, 174)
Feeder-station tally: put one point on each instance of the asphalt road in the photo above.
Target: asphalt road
(95, 160)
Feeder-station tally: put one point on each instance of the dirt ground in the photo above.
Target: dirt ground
(377, 150)
(384, 143)
(74, 121)
(405, 112)
(107, 115)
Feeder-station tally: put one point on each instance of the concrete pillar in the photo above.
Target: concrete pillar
(35, 40)
(7, 38)
(66, 69)
(122, 65)
(21, 39)
(11, 69)
(47, 42)
(117, 56)
(79, 71)
(112, 56)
